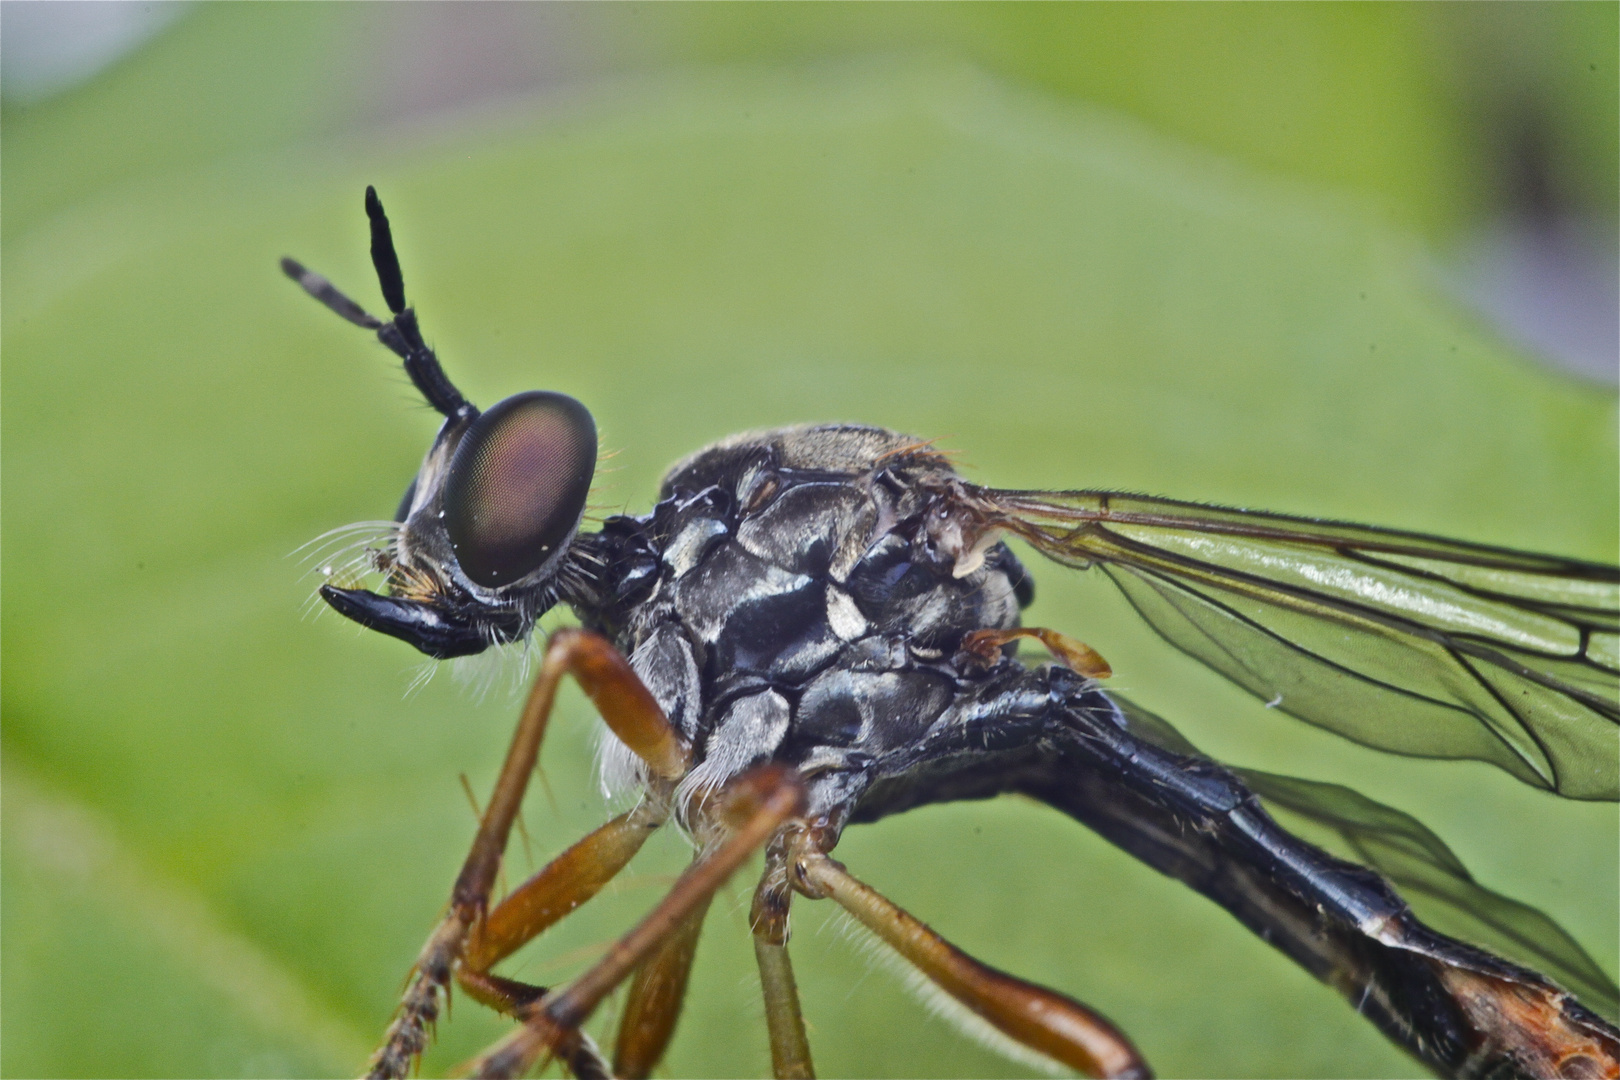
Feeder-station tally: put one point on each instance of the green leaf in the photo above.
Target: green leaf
(1061, 298)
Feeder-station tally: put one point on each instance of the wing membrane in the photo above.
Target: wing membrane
(1408, 643)
(1433, 881)
(1429, 876)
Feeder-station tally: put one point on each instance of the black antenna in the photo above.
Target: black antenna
(382, 254)
(401, 333)
(328, 294)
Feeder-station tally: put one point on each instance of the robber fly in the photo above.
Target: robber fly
(817, 626)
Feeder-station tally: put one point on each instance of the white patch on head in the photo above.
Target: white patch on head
(843, 616)
(752, 729)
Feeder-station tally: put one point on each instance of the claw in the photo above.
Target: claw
(408, 1035)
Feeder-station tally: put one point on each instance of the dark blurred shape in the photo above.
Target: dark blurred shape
(1551, 281)
(1537, 84)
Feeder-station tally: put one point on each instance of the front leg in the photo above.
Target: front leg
(752, 808)
(633, 714)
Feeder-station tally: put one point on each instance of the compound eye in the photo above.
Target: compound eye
(517, 484)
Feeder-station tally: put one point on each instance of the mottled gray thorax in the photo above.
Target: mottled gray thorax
(795, 614)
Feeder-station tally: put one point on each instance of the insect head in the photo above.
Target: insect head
(485, 528)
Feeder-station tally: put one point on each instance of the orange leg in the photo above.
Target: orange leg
(1041, 1019)
(634, 716)
(657, 992)
(757, 804)
(984, 647)
(559, 887)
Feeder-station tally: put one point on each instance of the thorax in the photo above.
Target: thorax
(782, 602)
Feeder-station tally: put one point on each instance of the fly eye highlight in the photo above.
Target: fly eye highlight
(516, 487)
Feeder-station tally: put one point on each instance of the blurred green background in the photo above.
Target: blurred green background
(1214, 252)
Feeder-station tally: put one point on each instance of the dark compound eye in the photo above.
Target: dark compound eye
(517, 484)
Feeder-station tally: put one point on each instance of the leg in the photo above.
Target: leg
(630, 710)
(657, 992)
(559, 887)
(790, 1049)
(982, 648)
(1130, 777)
(583, 1058)
(757, 804)
(1044, 1020)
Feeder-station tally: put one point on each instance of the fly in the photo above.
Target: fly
(816, 626)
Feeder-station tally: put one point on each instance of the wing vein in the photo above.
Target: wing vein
(1408, 643)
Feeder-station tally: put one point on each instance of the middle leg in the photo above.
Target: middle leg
(784, 1021)
(657, 991)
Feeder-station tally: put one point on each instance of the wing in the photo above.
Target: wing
(1433, 881)
(1408, 643)
(1430, 877)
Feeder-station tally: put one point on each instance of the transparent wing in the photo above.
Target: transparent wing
(1408, 643)
(1433, 881)
(1429, 876)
